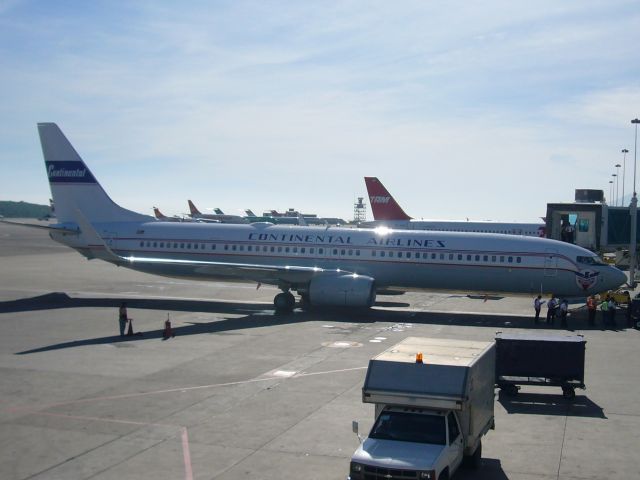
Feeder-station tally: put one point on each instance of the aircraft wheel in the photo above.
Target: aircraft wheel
(284, 302)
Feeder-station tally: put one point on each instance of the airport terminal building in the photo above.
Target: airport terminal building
(594, 224)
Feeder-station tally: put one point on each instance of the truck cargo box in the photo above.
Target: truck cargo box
(455, 375)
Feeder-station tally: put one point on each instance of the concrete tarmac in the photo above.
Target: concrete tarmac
(240, 392)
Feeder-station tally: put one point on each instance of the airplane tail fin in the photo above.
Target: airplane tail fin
(73, 186)
(249, 213)
(193, 209)
(383, 205)
(158, 213)
(217, 211)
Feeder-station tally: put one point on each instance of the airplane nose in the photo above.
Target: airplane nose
(617, 278)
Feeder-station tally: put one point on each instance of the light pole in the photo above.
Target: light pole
(611, 190)
(624, 168)
(633, 211)
(617, 183)
(614, 194)
(635, 121)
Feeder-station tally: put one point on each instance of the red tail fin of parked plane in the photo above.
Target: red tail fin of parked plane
(383, 205)
(193, 209)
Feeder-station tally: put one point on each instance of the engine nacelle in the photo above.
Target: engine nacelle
(342, 290)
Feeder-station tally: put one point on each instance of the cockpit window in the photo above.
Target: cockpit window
(590, 260)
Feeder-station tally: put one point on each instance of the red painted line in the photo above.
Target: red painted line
(186, 455)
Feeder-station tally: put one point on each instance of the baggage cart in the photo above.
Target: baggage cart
(545, 360)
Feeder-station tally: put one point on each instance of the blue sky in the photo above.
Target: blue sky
(464, 109)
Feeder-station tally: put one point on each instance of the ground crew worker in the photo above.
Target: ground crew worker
(591, 308)
(537, 305)
(122, 318)
(604, 308)
(551, 310)
(564, 310)
(612, 312)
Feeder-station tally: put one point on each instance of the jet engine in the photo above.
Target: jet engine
(342, 290)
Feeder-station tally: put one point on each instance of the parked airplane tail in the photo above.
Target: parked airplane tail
(193, 209)
(383, 205)
(73, 186)
(158, 213)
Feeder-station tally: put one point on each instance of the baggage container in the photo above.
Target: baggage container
(532, 359)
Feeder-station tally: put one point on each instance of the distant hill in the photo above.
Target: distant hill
(10, 209)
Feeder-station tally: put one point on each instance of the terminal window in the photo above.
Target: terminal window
(583, 225)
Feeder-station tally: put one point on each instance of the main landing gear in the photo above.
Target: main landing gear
(284, 302)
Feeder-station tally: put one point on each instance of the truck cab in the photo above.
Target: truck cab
(410, 443)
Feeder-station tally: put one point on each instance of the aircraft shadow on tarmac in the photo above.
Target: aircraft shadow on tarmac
(256, 315)
(550, 404)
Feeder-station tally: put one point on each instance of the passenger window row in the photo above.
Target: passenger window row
(335, 252)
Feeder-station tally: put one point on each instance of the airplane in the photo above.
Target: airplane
(329, 266)
(163, 218)
(280, 218)
(218, 216)
(387, 212)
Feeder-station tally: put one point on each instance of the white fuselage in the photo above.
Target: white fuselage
(394, 258)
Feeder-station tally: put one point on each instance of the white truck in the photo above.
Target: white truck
(433, 403)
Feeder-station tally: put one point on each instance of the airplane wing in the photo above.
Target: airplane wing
(269, 274)
(44, 227)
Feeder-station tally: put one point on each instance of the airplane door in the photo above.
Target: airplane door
(551, 262)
